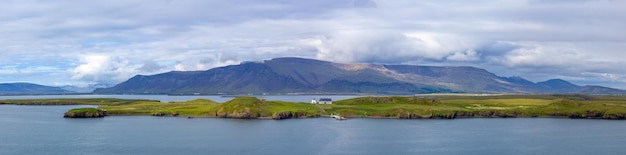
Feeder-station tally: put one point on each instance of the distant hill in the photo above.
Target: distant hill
(600, 90)
(560, 86)
(29, 88)
(289, 75)
(85, 89)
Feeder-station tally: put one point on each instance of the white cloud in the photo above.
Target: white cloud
(114, 40)
(103, 68)
(610, 76)
(607, 76)
(382, 46)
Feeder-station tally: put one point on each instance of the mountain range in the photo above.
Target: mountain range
(299, 75)
(29, 88)
(86, 89)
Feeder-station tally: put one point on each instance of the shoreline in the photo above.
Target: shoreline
(372, 117)
(395, 107)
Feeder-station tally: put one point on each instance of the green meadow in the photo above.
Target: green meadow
(411, 107)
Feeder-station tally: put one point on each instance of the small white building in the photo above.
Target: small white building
(325, 101)
(313, 101)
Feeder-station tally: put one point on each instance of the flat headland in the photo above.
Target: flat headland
(401, 107)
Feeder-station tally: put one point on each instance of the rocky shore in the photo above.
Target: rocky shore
(289, 114)
(498, 114)
(492, 114)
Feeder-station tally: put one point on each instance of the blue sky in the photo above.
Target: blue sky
(72, 42)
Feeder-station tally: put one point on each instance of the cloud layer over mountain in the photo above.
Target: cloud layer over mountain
(83, 42)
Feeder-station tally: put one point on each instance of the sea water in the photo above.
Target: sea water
(43, 130)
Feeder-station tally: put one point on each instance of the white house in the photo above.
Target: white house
(325, 101)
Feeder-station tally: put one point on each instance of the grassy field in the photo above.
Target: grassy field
(193, 108)
(84, 110)
(240, 107)
(441, 106)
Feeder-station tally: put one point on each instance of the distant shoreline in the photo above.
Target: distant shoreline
(363, 117)
(400, 107)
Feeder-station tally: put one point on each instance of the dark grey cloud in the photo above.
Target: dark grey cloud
(150, 66)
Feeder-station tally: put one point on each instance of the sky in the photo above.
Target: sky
(80, 43)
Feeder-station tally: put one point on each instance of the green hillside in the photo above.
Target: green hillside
(446, 107)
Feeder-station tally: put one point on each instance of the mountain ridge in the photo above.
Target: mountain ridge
(22, 88)
(300, 75)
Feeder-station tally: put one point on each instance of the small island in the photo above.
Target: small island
(85, 113)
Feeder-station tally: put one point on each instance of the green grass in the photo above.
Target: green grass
(84, 110)
(483, 106)
(238, 107)
(241, 107)
(574, 106)
(199, 107)
(85, 113)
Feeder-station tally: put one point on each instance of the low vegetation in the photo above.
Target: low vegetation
(445, 107)
(85, 113)
(240, 107)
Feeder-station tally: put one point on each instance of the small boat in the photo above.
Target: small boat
(337, 117)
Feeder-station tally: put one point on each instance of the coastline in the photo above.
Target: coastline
(376, 117)
(388, 107)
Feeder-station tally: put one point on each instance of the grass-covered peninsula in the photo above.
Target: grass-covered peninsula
(446, 107)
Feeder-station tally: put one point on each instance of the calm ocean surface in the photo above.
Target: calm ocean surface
(43, 130)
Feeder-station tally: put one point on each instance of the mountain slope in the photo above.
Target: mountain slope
(558, 85)
(289, 75)
(599, 90)
(29, 88)
(244, 78)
